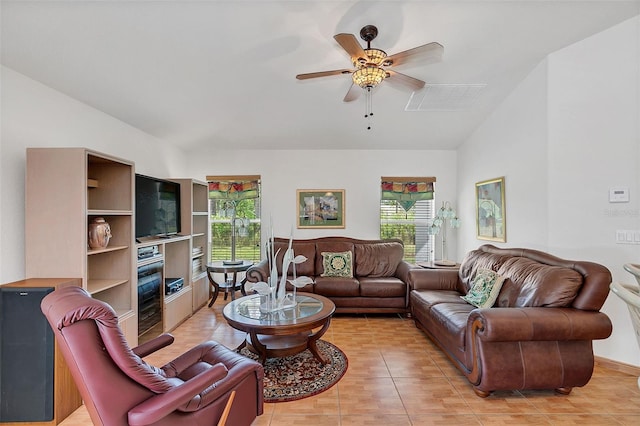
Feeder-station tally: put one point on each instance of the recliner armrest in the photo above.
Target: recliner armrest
(537, 324)
(153, 345)
(160, 406)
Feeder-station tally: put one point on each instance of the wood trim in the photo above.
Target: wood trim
(233, 178)
(617, 366)
(406, 179)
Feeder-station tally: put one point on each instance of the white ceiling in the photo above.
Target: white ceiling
(221, 74)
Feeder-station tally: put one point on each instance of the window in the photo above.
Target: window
(406, 212)
(235, 206)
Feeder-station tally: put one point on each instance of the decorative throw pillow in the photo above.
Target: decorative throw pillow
(337, 264)
(485, 289)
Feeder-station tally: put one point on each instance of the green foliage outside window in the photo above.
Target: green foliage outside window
(247, 238)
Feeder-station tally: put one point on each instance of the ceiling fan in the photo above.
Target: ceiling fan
(372, 65)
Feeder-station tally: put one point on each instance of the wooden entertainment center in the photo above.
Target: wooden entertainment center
(68, 187)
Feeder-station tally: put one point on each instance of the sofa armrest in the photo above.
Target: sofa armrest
(432, 279)
(258, 272)
(402, 271)
(537, 324)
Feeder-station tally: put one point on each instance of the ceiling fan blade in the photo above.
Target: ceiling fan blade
(431, 52)
(353, 93)
(349, 42)
(404, 80)
(322, 74)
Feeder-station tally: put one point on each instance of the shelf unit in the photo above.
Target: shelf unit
(65, 189)
(194, 217)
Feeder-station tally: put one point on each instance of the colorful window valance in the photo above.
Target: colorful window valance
(407, 190)
(233, 187)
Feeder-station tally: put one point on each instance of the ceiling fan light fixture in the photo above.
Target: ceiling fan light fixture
(369, 76)
(375, 55)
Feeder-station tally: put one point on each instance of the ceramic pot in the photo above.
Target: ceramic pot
(99, 233)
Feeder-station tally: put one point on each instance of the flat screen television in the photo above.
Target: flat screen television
(157, 207)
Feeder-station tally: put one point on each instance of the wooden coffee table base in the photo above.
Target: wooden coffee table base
(279, 346)
(285, 332)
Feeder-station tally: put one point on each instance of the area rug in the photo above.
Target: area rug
(302, 375)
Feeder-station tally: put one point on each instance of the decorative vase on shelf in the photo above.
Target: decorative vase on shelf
(99, 233)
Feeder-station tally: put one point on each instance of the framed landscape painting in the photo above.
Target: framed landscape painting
(491, 223)
(320, 208)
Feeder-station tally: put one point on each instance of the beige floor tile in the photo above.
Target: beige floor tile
(429, 395)
(444, 419)
(584, 419)
(514, 419)
(366, 395)
(375, 420)
(304, 420)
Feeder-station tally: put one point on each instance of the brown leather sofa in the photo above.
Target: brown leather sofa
(379, 277)
(537, 335)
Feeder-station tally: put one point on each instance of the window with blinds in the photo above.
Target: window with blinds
(407, 210)
(234, 205)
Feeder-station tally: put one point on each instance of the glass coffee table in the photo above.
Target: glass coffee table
(284, 332)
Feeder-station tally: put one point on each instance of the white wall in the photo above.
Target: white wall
(34, 115)
(510, 143)
(357, 172)
(566, 135)
(593, 146)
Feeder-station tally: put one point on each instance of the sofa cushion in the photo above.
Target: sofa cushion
(477, 259)
(330, 246)
(382, 287)
(452, 325)
(529, 284)
(337, 287)
(307, 250)
(426, 299)
(377, 260)
(337, 264)
(485, 289)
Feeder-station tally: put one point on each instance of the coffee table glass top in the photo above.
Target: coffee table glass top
(249, 307)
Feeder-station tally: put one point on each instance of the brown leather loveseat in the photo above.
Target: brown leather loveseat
(377, 281)
(539, 332)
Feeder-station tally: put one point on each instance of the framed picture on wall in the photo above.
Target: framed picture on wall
(491, 221)
(320, 208)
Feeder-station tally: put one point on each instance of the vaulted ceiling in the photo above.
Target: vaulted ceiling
(221, 74)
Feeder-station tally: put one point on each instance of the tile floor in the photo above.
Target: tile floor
(396, 376)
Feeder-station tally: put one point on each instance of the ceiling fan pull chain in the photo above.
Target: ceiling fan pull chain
(368, 107)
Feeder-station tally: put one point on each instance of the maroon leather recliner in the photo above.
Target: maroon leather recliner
(119, 388)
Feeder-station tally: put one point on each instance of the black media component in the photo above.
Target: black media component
(173, 285)
(149, 297)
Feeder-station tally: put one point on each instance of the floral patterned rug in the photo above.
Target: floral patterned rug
(301, 375)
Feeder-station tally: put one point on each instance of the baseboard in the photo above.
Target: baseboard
(617, 366)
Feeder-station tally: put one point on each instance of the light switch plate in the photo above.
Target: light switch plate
(619, 195)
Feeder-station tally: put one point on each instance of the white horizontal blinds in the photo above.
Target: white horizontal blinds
(407, 210)
(239, 197)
